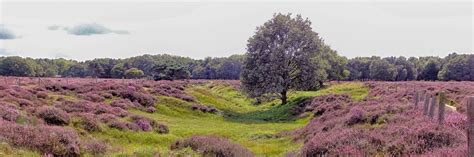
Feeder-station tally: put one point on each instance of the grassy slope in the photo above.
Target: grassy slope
(251, 126)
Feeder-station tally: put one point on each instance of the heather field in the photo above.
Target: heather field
(115, 117)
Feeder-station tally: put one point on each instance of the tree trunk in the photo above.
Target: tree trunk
(321, 84)
(283, 97)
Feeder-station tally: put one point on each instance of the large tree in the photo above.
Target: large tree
(382, 70)
(279, 57)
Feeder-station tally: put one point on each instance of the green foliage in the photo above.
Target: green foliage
(458, 67)
(279, 57)
(133, 73)
(382, 70)
(17, 66)
(164, 72)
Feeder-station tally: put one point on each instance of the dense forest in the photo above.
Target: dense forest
(458, 67)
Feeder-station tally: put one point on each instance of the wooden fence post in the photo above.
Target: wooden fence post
(442, 105)
(19, 83)
(426, 104)
(470, 129)
(417, 98)
(432, 107)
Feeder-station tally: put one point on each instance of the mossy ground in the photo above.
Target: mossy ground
(253, 126)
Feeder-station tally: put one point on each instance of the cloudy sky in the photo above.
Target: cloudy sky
(85, 30)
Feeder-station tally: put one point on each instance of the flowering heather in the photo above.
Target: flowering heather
(89, 122)
(172, 89)
(42, 95)
(8, 112)
(385, 123)
(53, 115)
(53, 140)
(147, 124)
(142, 98)
(212, 146)
(92, 97)
(321, 104)
(122, 103)
(203, 108)
(70, 106)
(95, 147)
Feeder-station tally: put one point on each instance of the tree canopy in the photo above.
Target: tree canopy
(280, 57)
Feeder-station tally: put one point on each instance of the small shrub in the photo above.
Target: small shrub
(107, 118)
(53, 116)
(212, 146)
(92, 97)
(356, 116)
(118, 125)
(162, 129)
(150, 109)
(90, 123)
(8, 112)
(142, 98)
(203, 108)
(70, 106)
(147, 124)
(42, 95)
(122, 103)
(95, 147)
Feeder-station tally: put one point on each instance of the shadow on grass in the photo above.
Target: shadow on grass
(279, 113)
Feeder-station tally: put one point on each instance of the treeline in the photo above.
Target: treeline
(146, 66)
(459, 67)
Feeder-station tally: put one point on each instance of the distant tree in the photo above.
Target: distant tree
(46, 68)
(430, 70)
(458, 67)
(382, 70)
(17, 66)
(358, 68)
(280, 56)
(334, 65)
(164, 72)
(133, 73)
(118, 71)
(62, 65)
(77, 70)
(405, 70)
(230, 68)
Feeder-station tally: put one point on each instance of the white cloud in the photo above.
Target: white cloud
(87, 29)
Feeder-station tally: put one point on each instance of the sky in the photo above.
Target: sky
(197, 29)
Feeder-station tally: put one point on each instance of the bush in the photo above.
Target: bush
(95, 147)
(146, 124)
(356, 116)
(90, 123)
(42, 95)
(122, 103)
(212, 146)
(107, 118)
(150, 109)
(92, 97)
(45, 139)
(143, 99)
(204, 108)
(8, 112)
(172, 89)
(70, 106)
(53, 116)
(118, 125)
(124, 126)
